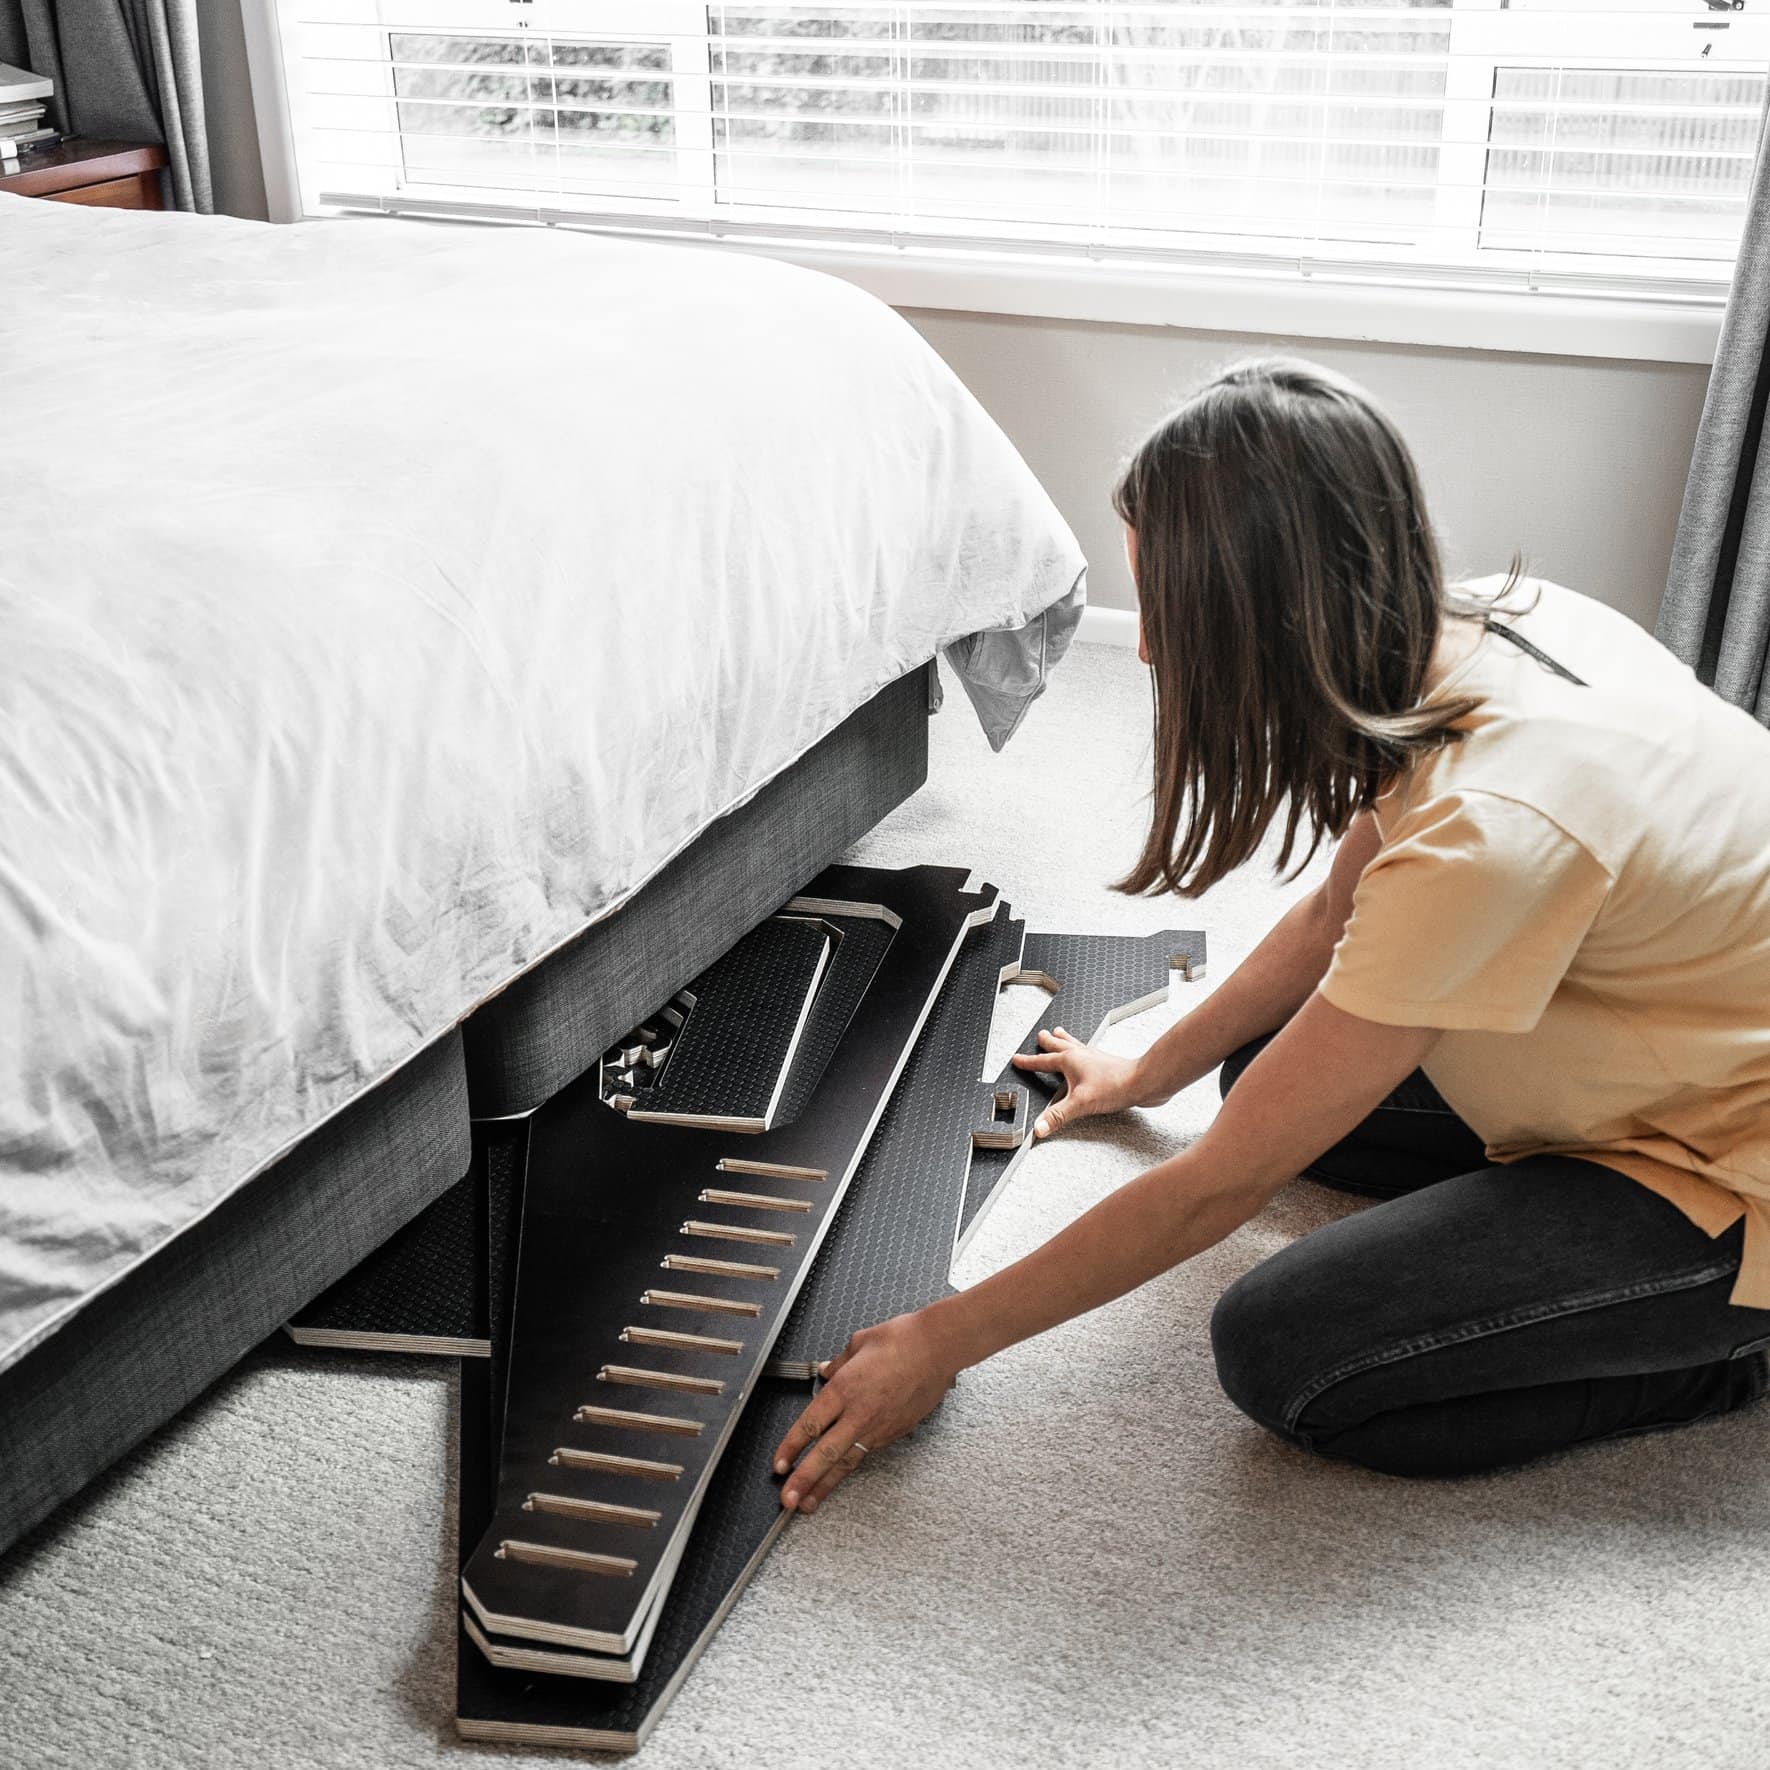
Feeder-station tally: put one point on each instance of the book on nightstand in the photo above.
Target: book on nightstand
(22, 111)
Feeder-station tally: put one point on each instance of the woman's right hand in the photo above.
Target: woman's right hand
(1097, 1082)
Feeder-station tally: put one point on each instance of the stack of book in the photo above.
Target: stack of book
(23, 121)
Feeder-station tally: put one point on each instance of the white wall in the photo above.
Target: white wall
(1579, 462)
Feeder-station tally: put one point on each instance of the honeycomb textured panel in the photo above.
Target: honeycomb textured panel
(730, 1059)
(422, 1290)
(864, 941)
(1100, 978)
(431, 1287)
(507, 1152)
(892, 1244)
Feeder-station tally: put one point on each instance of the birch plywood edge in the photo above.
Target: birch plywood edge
(649, 1252)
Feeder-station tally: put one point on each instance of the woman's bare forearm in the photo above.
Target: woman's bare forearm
(1317, 1080)
(1152, 1223)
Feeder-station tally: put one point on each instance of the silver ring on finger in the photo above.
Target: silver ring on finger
(857, 1445)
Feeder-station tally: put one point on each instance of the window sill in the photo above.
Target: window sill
(1279, 305)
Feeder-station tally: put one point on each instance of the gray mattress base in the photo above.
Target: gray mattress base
(153, 1342)
(150, 1345)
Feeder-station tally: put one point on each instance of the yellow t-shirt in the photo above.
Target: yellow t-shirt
(1579, 894)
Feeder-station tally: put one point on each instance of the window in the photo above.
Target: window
(1533, 143)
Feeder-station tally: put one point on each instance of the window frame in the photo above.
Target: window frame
(1245, 291)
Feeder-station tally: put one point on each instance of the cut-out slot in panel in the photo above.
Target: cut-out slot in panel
(1003, 1120)
(752, 1201)
(644, 1336)
(1020, 1005)
(690, 1300)
(774, 1238)
(607, 1463)
(737, 1164)
(728, 1268)
(596, 1511)
(635, 1378)
(591, 1415)
(577, 1560)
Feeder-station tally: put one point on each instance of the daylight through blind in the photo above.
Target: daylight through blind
(1513, 141)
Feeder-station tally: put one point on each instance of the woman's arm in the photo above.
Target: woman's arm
(1318, 1078)
(1263, 992)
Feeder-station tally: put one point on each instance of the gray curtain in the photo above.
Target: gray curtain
(124, 70)
(1716, 614)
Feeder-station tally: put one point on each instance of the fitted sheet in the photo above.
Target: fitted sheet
(381, 604)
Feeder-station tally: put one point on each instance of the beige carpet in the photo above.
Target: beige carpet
(1089, 1558)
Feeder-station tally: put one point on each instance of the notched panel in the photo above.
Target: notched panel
(620, 1196)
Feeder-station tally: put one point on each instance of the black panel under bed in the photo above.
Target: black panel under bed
(656, 1295)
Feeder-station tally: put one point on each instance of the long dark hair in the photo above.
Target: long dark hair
(1291, 596)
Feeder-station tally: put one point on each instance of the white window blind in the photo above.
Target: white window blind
(1538, 142)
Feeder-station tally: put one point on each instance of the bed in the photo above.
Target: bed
(425, 648)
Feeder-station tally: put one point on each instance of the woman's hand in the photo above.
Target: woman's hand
(1097, 1081)
(887, 1381)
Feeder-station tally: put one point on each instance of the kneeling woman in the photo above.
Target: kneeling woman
(1529, 1009)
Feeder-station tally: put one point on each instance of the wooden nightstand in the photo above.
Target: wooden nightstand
(111, 174)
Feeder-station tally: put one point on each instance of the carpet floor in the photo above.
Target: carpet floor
(1087, 1558)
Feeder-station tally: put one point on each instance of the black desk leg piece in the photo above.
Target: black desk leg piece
(1095, 979)
(892, 1246)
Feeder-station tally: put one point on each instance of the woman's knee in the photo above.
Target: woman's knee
(1258, 1349)
(1265, 1368)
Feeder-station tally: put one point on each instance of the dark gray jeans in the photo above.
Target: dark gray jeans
(1481, 1316)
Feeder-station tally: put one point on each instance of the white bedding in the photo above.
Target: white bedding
(382, 603)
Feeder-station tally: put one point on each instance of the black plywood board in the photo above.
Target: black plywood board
(1100, 978)
(864, 941)
(429, 1287)
(507, 1149)
(422, 1290)
(892, 1244)
(738, 1523)
(730, 1062)
(606, 1229)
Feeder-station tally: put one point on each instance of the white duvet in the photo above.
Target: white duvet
(380, 604)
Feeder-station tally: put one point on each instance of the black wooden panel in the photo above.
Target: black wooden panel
(422, 1290)
(892, 1244)
(428, 1288)
(863, 945)
(1100, 978)
(729, 1063)
(619, 1218)
(737, 1524)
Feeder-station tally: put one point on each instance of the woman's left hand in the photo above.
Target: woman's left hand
(887, 1381)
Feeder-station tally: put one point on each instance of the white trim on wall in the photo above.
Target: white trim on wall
(1535, 322)
(1108, 626)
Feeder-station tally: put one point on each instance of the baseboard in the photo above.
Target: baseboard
(1108, 626)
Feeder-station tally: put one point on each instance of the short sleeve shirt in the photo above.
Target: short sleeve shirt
(1578, 893)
